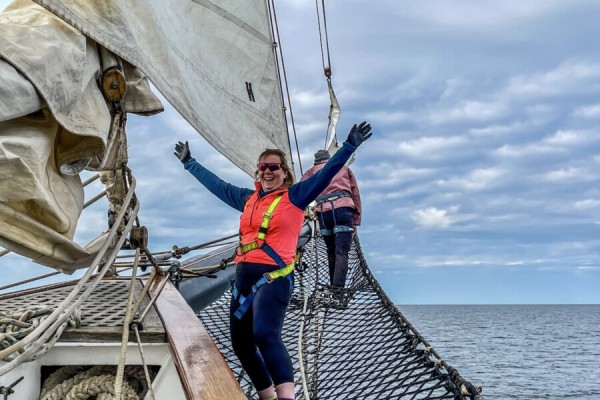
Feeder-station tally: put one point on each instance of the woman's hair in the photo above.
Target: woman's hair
(289, 179)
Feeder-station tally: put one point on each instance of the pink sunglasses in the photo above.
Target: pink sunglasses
(272, 166)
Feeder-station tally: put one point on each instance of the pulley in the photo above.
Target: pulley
(138, 237)
(113, 84)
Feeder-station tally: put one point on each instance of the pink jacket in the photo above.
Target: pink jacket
(343, 181)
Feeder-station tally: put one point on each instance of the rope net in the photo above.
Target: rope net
(355, 344)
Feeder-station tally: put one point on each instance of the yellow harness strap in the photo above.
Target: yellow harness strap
(280, 273)
(264, 226)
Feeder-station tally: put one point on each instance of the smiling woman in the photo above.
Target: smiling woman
(273, 171)
(272, 215)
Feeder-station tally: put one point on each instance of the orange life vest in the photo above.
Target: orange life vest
(283, 230)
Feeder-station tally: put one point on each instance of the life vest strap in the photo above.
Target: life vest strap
(264, 227)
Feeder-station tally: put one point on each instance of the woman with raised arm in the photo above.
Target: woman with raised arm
(272, 215)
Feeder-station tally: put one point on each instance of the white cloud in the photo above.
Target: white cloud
(427, 147)
(469, 110)
(591, 112)
(570, 77)
(569, 138)
(432, 217)
(565, 174)
(481, 16)
(587, 204)
(478, 179)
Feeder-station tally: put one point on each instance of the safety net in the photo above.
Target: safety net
(347, 344)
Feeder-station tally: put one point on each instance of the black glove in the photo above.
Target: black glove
(182, 151)
(359, 134)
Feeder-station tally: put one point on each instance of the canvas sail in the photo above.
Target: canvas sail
(212, 60)
(214, 63)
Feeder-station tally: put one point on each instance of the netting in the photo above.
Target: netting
(347, 344)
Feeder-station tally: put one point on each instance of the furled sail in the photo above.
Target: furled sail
(213, 61)
(54, 121)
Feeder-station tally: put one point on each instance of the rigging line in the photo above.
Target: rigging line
(303, 318)
(29, 280)
(94, 199)
(326, 35)
(324, 48)
(125, 334)
(205, 244)
(47, 328)
(212, 243)
(144, 364)
(334, 108)
(90, 180)
(280, 70)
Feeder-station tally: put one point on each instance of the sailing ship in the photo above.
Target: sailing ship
(74, 71)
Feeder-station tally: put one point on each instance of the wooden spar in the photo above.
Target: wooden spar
(201, 367)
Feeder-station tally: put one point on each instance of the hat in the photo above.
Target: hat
(321, 155)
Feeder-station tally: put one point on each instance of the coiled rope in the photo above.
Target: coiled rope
(16, 325)
(76, 382)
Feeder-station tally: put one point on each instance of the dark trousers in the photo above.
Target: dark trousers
(256, 337)
(338, 245)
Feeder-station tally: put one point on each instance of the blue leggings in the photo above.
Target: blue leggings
(256, 337)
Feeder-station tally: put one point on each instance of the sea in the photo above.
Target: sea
(525, 352)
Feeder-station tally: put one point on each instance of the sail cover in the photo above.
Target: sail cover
(212, 60)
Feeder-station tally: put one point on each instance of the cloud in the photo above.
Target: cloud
(427, 147)
(469, 110)
(478, 179)
(432, 218)
(591, 112)
(567, 174)
(570, 77)
(587, 204)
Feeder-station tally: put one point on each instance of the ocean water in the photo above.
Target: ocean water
(525, 352)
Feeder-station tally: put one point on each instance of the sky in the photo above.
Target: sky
(480, 183)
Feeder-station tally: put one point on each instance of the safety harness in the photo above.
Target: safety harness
(331, 197)
(268, 277)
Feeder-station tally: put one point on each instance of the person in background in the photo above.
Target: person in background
(338, 211)
(272, 215)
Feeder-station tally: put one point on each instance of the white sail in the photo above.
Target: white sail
(212, 60)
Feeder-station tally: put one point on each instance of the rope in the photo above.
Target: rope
(281, 70)
(129, 312)
(80, 382)
(100, 388)
(321, 35)
(50, 326)
(147, 377)
(303, 320)
(17, 325)
(28, 280)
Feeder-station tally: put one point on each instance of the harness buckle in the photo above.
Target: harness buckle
(268, 277)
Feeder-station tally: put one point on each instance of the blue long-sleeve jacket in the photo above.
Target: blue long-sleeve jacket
(300, 193)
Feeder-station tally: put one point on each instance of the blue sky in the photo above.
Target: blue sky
(480, 184)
